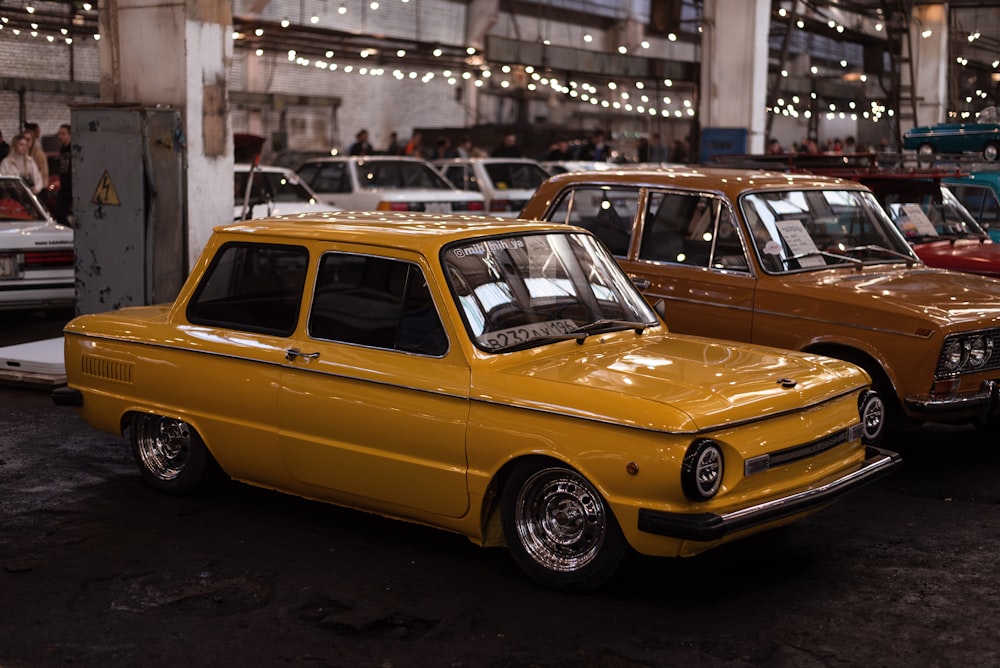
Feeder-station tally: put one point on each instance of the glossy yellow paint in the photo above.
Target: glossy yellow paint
(429, 439)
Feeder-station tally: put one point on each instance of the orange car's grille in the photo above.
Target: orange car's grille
(120, 372)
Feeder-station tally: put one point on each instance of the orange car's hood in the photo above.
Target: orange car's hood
(666, 382)
(892, 298)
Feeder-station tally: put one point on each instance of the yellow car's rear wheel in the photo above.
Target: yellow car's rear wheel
(559, 529)
(170, 455)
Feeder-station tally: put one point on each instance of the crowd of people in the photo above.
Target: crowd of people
(24, 156)
(596, 148)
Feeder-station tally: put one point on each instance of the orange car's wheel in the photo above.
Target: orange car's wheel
(170, 455)
(559, 529)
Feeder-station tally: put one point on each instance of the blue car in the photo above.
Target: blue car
(983, 137)
(980, 193)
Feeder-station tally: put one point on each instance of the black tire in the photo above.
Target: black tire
(559, 529)
(991, 152)
(169, 454)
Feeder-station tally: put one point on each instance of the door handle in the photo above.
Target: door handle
(292, 353)
(641, 283)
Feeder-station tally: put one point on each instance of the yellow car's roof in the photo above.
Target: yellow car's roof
(385, 228)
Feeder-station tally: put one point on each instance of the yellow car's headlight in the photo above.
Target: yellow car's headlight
(701, 473)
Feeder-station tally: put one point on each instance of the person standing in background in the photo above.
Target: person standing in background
(507, 148)
(19, 163)
(63, 209)
(4, 147)
(414, 146)
(361, 145)
(394, 147)
(37, 152)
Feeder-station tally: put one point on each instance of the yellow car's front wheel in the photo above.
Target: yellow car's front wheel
(559, 529)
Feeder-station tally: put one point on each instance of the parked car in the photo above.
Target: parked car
(503, 380)
(982, 137)
(801, 262)
(980, 193)
(275, 191)
(505, 183)
(941, 231)
(36, 252)
(386, 183)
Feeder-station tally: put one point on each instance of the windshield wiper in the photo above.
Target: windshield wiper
(819, 253)
(607, 325)
(580, 333)
(910, 261)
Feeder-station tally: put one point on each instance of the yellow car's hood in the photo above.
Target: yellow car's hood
(644, 381)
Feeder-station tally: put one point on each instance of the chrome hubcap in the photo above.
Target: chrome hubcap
(164, 445)
(561, 520)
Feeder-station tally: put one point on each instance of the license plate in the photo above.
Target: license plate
(9, 266)
(437, 207)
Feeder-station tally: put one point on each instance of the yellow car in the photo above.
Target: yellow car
(800, 262)
(503, 380)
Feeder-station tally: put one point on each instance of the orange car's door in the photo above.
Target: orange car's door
(690, 254)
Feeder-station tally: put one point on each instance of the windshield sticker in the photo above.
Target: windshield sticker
(799, 242)
(512, 336)
(914, 222)
(772, 247)
(488, 246)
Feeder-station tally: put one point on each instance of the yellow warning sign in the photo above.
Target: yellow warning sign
(106, 193)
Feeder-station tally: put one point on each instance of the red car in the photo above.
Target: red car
(939, 228)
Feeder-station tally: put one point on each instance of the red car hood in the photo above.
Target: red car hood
(969, 255)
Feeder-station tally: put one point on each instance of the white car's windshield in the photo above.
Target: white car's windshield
(801, 230)
(519, 291)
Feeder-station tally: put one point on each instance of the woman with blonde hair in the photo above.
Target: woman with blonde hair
(20, 163)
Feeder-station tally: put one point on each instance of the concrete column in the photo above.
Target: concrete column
(176, 53)
(929, 42)
(734, 67)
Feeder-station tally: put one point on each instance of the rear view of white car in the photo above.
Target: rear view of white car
(36, 253)
(386, 183)
(505, 183)
(275, 191)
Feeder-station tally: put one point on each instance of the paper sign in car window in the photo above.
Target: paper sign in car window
(799, 242)
(919, 220)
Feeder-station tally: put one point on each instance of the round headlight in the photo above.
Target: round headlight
(872, 412)
(701, 473)
(952, 356)
(980, 350)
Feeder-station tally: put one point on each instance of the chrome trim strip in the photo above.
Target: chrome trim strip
(986, 398)
(713, 526)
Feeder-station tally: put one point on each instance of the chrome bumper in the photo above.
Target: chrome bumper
(984, 402)
(712, 526)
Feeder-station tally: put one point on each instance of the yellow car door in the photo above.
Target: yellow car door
(373, 401)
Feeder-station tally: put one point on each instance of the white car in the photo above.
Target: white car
(505, 183)
(386, 183)
(36, 252)
(275, 191)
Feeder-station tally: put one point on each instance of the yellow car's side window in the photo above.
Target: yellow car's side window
(376, 302)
